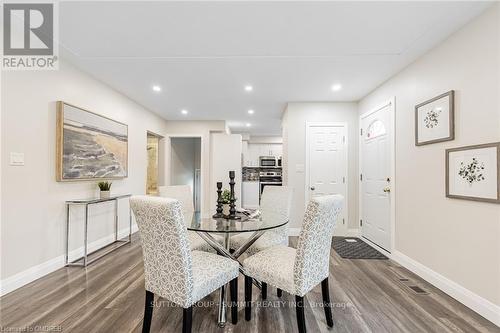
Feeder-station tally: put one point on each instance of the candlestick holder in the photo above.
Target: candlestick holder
(218, 213)
(232, 200)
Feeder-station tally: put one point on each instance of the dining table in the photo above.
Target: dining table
(217, 233)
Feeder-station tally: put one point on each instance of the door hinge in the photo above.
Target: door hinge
(361, 222)
(343, 139)
(343, 221)
(361, 176)
(343, 180)
(361, 132)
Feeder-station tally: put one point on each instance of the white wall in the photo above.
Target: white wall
(460, 240)
(294, 151)
(32, 207)
(265, 139)
(226, 156)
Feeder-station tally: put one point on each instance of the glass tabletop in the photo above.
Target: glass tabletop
(265, 221)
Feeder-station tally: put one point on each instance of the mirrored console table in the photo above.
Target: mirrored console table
(117, 243)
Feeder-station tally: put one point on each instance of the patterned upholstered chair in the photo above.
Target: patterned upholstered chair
(185, 197)
(275, 199)
(298, 271)
(171, 269)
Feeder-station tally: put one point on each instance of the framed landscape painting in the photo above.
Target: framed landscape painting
(89, 146)
(473, 173)
(434, 120)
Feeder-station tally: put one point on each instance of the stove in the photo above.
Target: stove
(269, 178)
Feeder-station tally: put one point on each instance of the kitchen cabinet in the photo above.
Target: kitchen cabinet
(252, 152)
(276, 150)
(244, 153)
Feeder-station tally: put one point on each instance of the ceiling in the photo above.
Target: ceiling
(202, 54)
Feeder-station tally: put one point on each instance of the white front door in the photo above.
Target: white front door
(327, 165)
(376, 136)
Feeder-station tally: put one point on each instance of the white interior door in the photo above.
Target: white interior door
(327, 165)
(376, 136)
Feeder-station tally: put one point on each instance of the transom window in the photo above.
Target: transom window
(375, 129)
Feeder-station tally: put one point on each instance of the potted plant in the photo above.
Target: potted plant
(105, 189)
(226, 200)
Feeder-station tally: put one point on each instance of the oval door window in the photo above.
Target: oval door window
(375, 129)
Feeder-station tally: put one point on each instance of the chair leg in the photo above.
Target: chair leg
(233, 286)
(279, 292)
(148, 311)
(248, 298)
(326, 302)
(301, 319)
(187, 319)
(264, 290)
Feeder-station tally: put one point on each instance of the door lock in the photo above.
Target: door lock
(313, 188)
(387, 189)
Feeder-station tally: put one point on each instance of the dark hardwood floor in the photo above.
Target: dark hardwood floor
(108, 296)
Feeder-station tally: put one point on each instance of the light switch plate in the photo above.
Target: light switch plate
(17, 159)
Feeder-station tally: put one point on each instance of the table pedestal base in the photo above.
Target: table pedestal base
(225, 251)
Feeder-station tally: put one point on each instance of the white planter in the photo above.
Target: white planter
(105, 194)
(225, 209)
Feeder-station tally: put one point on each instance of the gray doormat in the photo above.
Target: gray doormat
(355, 248)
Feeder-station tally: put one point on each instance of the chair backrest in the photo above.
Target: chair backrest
(180, 192)
(315, 240)
(276, 199)
(165, 247)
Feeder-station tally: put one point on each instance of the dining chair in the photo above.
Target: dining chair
(171, 269)
(299, 270)
(184, 195)
(275, 199)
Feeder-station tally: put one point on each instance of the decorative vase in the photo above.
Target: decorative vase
(105, 194)
(225, 209)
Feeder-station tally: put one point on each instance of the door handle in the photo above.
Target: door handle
(387, 189)
(313, 188)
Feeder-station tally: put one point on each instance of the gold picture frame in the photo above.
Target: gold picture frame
(89, 146)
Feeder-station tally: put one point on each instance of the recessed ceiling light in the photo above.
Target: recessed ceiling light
(184, 111)
(251, 111)
(248, 124)
(336, 87)
(248, 88)
(156, 88)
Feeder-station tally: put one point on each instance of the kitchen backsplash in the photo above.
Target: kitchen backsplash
(251, 174)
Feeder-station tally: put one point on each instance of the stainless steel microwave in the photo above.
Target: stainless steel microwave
(267, 161)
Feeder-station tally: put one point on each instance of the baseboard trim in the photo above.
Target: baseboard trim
(31, 274)
(471, 300)
(293, 231)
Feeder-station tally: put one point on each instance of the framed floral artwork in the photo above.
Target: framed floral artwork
(434, 120)
(473, 172)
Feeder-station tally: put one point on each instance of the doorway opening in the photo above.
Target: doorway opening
(185, 166)
(154, 151)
